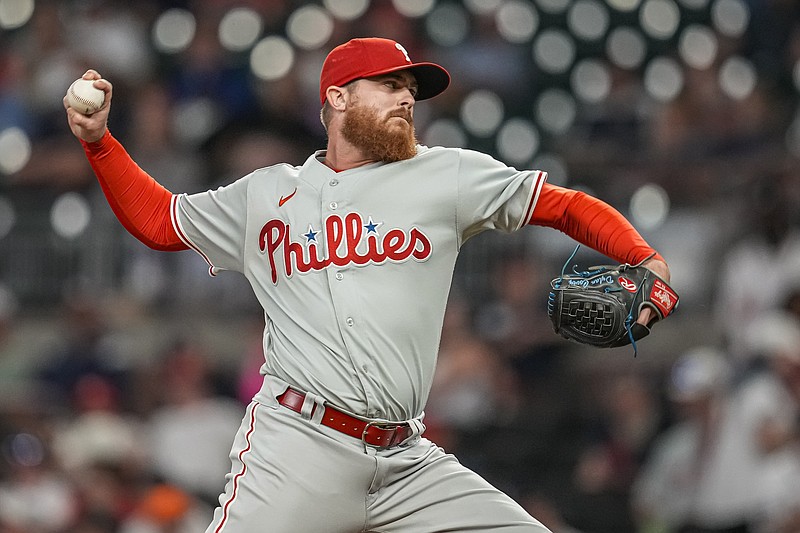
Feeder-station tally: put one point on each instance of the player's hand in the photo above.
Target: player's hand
(659, 267)
(91, 128)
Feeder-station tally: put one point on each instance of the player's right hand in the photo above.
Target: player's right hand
(91, 128)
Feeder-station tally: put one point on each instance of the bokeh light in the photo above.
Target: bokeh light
(196, 119)
(554, 51)
(516, 21)
(414, 8)
(482, 112)
(626, 47)
(663, 79)
(448, 24)
(15, 150)
(24, 449)
(70, 215)
(660, 18)
(591, 81)
(272, 58)
(588, 20)
(555, 110)
(649, 207)
(309, 27)
(15, 13)
(698, 46)
(730, 17)
(239, 29)
(517, 141)
(174, 30)
(737, 77)
(445, 132)
(346, 9)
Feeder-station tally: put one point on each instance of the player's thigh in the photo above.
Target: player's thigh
(434, 492)
(287, 476)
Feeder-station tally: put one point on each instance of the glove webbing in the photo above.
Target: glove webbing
(629, 320)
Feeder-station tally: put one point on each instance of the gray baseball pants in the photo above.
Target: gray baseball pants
(292, 475)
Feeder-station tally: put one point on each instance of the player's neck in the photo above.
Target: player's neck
(342, 155)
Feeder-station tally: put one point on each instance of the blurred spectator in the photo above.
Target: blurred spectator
(473, 387)
(200, 117)
(99, 433)
(779, 489)
(514, 319)
(83, 349)
(666, 485)
(620, 435)
(166, 509)
(194, 426)
(754, 421)
(759, 269)
(34, 498)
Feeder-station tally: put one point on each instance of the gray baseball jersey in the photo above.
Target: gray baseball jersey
(353, 268)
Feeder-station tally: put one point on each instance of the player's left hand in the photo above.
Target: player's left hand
(658, 266)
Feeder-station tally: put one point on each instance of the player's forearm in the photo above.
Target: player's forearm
(591, 222)
(140, 203)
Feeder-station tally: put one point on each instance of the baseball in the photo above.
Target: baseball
(84, 97)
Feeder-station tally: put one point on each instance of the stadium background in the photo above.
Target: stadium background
(680, 113)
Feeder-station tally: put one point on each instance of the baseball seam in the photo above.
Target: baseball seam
(89, 105)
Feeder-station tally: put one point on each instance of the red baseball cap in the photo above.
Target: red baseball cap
(373, 56)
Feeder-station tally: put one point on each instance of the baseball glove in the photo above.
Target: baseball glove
(599, 307)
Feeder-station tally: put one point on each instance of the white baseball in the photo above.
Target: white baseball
(84, 97)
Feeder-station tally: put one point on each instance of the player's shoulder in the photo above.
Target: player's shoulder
(270, 174)
(461, 158)
(278, 169)
(425, 152)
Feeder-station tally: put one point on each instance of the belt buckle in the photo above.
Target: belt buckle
(390, 442)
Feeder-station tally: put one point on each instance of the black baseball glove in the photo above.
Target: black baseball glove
(599, 307)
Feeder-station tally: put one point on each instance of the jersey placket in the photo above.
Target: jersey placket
(334, 195)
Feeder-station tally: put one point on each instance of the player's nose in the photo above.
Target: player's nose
(407, 99)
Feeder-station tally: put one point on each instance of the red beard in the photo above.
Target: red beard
(386, 140)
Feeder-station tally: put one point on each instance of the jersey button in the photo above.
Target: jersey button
(339, 276)
(334, 182)
(333, 205)
(350, 321)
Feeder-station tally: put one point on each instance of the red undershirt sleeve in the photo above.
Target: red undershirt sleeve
(140, 203)
(591, 222)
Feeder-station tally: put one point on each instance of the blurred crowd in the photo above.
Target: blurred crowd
(124, 372)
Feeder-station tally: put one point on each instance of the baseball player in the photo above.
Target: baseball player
(351, 256)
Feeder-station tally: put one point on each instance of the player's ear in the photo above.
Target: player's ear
(337, 97)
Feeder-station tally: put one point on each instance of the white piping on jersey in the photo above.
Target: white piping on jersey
(539, 180)
(176, 225)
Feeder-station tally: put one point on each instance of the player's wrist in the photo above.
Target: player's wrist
(97, 143)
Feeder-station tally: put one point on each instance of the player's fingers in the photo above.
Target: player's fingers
(646, 315)
(659, 267)
(91, 74)
(105, 86)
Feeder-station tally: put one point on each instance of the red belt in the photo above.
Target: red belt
(378, 434)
